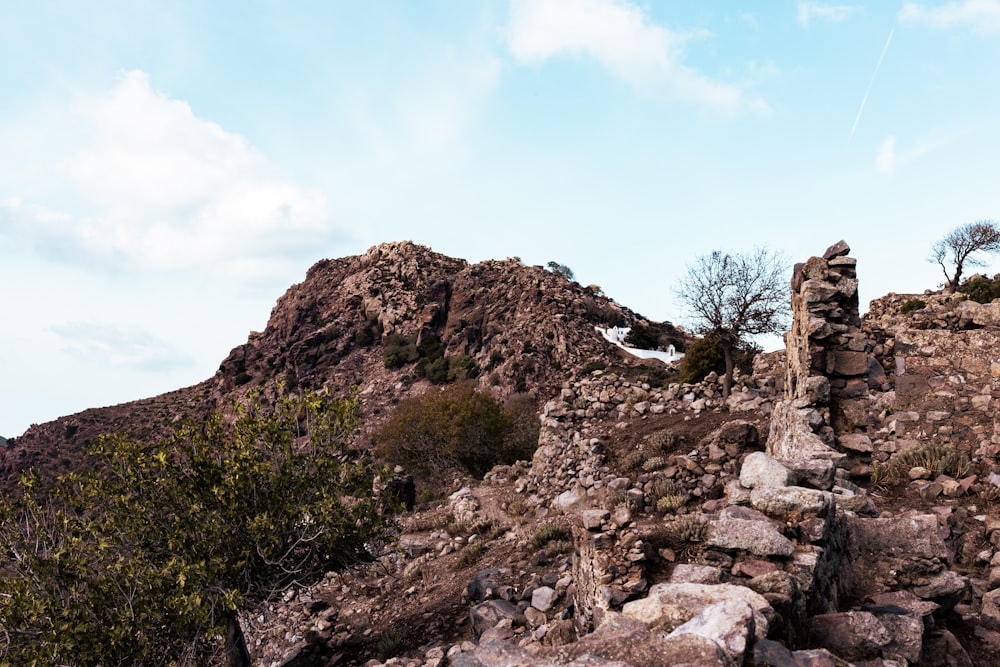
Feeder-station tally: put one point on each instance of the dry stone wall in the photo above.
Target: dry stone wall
(942, 374)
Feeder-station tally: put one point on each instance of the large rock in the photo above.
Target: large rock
(730, 624)
(852, 635)
(668, 606)
(792, 437)
(769, 653)
(759, 469)
(487, 614)
(814, 473)
(463, 505)
(791, 501)
(760, 538)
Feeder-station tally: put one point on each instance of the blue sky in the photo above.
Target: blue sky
(170, 168)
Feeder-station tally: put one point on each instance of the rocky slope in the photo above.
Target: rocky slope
(666, 526)
(524, 328)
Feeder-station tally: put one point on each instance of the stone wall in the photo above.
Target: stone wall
(824, 413)
(946, 389)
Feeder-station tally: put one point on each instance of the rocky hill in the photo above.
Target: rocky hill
(841, 507)
(844, 516)
(382, 321)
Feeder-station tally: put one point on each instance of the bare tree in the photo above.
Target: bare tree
(733, 296)
(960, 244)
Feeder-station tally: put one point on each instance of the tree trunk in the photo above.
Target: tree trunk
(236, 653)
(727, 381)
(952, 285)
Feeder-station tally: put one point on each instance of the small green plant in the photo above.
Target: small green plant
(389, 642)
(471, 553)
(550, 532)
(939, 459)
(615, 499)
(556, 547)
(634, 460)
(687, 528)
(987, 493)
(514, 504)
(669, 504)
(665, 441)
(669, 495)
(593, 366)
(654, 463)
(488, 528)
(911, 305)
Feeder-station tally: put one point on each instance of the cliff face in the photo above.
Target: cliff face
(523, 329)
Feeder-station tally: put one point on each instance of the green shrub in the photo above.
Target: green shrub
(634, 460)
(397, 351)
(669, 495)
(550, 532)
(456, 428)
(471, 553)
(703, 357)
(654, 463)
(911, 305)
(462, 367)
(665, 441)
(643, 337)
(939, 459)
(980, 289)
(147, 558)
(389, 643)
(708, 355)
(593, 366)
(668, 504)
(514, 504)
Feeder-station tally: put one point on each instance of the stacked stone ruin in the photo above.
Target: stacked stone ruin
(792, 566)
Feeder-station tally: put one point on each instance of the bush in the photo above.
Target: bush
(471, 553)
(397, 351)
(550, 532)
(654, 463)
(708, 355)
(456, 428)
(462, 367)
(911, 305)
(148, 559)
(980, 289)
(642, 337)
(939, 459)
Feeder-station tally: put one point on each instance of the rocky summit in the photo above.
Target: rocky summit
(839, 507)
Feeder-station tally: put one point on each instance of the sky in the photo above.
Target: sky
(169, 169)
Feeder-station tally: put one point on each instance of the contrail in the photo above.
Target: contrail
(864, 101)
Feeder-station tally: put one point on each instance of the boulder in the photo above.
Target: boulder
(486, 615)
(759, 469)
(852, 635)
(760, 538)
(782, 503)
(729, 623)
(668, 606)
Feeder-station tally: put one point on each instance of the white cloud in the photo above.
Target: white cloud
(981, 16)
(121, 346)
(810, 11)
(889, 158)
(156, 187)
(621, 37)
(886, 159)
